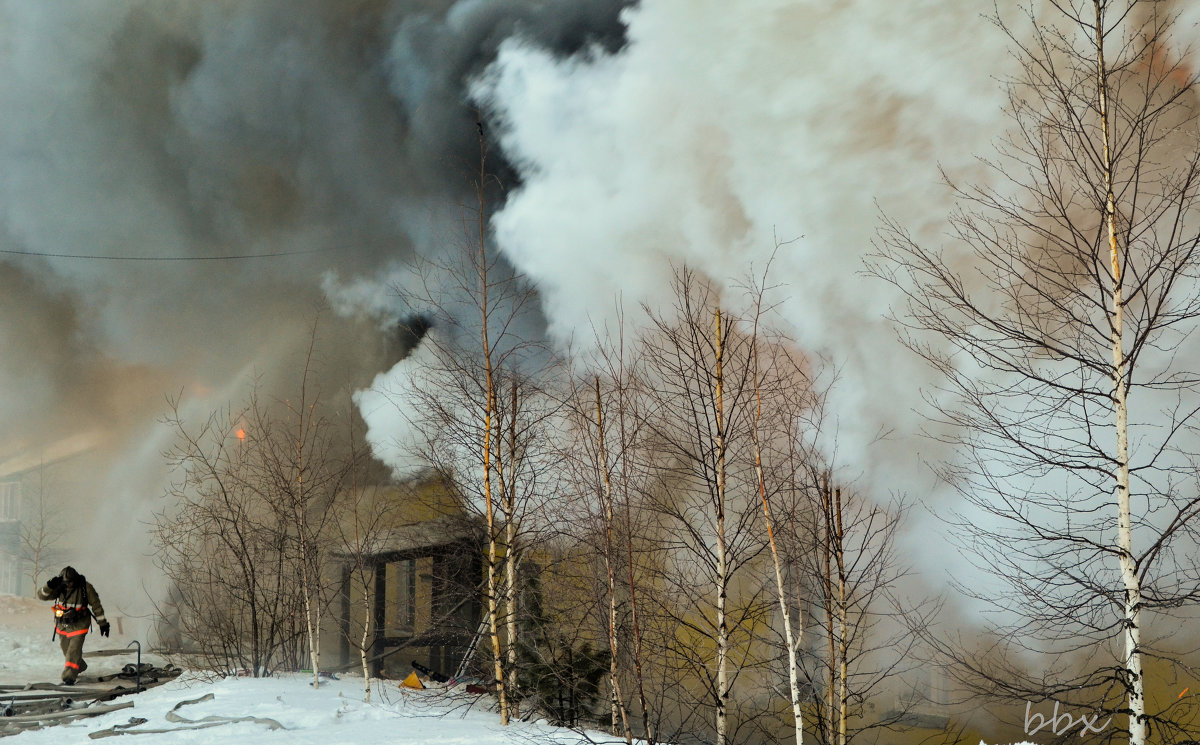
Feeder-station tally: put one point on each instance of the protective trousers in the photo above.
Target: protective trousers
(72, 649)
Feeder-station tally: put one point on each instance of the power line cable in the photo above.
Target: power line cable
(17, 252)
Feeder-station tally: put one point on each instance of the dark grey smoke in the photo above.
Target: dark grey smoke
(333, 131)
(410, 331)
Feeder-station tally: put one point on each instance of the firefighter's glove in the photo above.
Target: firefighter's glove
(104, 628)
(55, 583)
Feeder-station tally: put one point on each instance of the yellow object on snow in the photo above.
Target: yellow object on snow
(412, 681)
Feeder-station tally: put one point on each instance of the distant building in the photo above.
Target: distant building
(10, 536)
(34, 485)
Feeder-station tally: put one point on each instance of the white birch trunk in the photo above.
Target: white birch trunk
(489, 416)
(362, 647)
(1133, 591)
(722, 560)
(510, 601)
(510, 554)
(492, 580)
(618, 700)
(305, 549)
(791, 643)
(840, 554)
(827, 592)
(308, 623)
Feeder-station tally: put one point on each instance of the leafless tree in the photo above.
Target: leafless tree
(698, 358)
(40, 538)
(1061, 335)
(833, 551)
(227, 556)
(598, 483)
(478, 408)
(781, 408)
(363, 519)
(868, 634)
(605, 416)
(243, 540)
(302, 466)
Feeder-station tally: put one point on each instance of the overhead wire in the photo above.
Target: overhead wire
(39, 254)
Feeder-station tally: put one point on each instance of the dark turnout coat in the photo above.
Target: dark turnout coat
(72, 605)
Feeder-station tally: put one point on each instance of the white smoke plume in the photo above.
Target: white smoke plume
(723, 129)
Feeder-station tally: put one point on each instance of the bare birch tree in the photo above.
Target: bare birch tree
(609, 419)
(602, 467)
(603, 414)
(475, 401)
(301, 471)
(867, 631)
(699, 359)
(1069, 379)
(364, 517)
(790, 404)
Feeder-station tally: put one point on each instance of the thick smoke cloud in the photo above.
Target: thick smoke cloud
(331, 132)
(721, 130)
(336, 132)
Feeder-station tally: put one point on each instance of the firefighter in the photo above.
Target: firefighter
(75, 605)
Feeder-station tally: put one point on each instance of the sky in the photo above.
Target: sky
(232, 167)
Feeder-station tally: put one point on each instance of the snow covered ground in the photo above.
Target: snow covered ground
(287, 709)
(331, 715)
